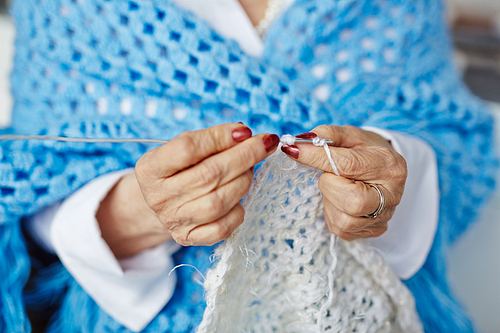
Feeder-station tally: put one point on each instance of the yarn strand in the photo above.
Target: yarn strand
(288, 139)
(85, 140)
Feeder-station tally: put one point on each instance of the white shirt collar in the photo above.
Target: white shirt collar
(230, 20)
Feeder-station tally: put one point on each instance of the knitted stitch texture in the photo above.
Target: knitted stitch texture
(145, 68)
(283, 271)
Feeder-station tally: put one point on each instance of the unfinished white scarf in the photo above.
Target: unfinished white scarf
(283, 271)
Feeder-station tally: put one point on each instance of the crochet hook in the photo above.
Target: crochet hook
(297, 140)
(9, 137)
(288, 139)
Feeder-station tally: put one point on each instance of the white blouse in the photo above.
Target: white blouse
(134, 290)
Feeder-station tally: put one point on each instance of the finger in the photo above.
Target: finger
(342, 136)
(217, 203)
(224, 167)
(189, 148)
(342, 225)
(350, 137)
(374, 230)
(354, 198)
(344, 222)
(357, 154)
(216, 231)
(372, 164)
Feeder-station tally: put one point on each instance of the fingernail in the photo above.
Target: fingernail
(292, 151)
(240, 122)
(241, 134)
(308, 135)
(271, 141)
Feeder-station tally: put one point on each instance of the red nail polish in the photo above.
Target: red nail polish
(271, 141)
(308, 135)
(292, 151)
(241, 134)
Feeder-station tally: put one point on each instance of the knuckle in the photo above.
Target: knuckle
(216, 137)
(325, 131)
(348, 227)
(323, 128)
(185, 148)
(350, 129)
(209, 172)
(320, 160)
(155, 202)
(170, 224)
(349, 165)
(381, 229)
(248, 154)
(324, 184)
(388, 213)
(395, 164)
(346, 236)
(161, 200)
(353, 132)
(157, 207)
(374, 231)
(223, 232)
(143, 167)
(396, 200)
(141, 175)
(181, 238)
(247, 180)
(387, 155)
(400, 169)
(172, 220)
(345, 224)
(356, 205)
(217, 204)
(240, 216)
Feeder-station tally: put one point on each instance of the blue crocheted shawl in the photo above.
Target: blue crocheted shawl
(146, 68)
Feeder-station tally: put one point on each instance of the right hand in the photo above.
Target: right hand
(195, 182)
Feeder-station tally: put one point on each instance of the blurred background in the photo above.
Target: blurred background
(475, 259)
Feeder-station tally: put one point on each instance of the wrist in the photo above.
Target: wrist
(127, 223)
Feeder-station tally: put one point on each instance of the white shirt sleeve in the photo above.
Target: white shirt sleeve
(131, 290)
(408, 240)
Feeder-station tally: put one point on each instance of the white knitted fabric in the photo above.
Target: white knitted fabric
(283, 271)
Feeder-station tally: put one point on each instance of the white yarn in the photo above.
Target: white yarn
(283, 271)
(288, 139)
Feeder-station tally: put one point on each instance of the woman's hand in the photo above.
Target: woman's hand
(188, 189)
(362, 158)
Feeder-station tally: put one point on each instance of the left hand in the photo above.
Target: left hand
(362, 158)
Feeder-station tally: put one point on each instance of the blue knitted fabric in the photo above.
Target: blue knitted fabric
(146, 68)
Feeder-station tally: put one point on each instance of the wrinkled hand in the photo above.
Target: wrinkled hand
(362, 158)
(188, 189)
(195, 182)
